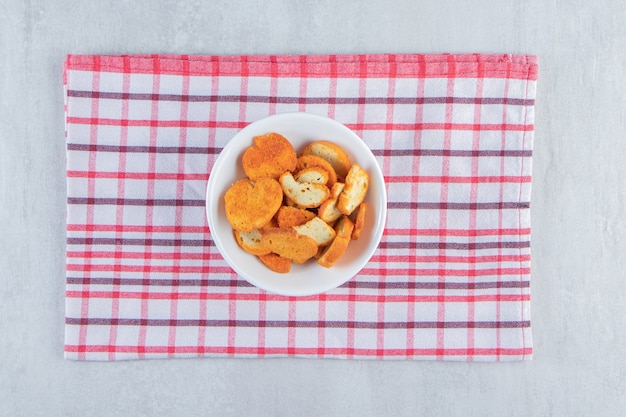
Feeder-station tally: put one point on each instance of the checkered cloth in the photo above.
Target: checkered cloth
(450, 280)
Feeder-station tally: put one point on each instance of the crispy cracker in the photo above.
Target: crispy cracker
(276, 263)
(332, 153)
(251, 241)
(338, 246)
(304, 194)
(313, 175)
(318, 230)
(270, 156)
(357, 183)
(359, 220)
(292, 216)
(287, 243)
(309, 161)
(251, 206)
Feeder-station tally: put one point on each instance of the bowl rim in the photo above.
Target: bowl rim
(379, 221)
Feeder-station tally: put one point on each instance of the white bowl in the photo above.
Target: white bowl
(309, 278)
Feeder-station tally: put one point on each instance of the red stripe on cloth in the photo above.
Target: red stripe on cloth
(376, 258)
(445, 169)
(140, 255)
(154, 123)
(501, 196)
(203, 310)
(435, 66)
(171, 269)
(434, 272)
(139, 175)
(119, 213)
(122, 228)
(473, 200)
(291, 329)
(414, 214)
(180, 187)
(332, 88)
(519, 219)
(456, 232)
(303, 75)
(453, 259)
(273, 85)
(359, 127)
(458, 179)
(442, 126)
(233, 297)
(330, 352)
(93, 135)
(147, 264)
(321, 333)
(261, 339)
(388, 144)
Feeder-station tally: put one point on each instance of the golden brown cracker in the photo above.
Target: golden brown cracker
(251, 242)
(332, 153)
(313, 175)
(250, 206)
(318, 230)
(356, 185)
(270, 156)
(276, 263)
(309, 161)
(339, 245)
(292, 216)
(304, 194)
(359, 220)
(287, 243)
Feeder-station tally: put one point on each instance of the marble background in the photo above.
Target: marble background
(578, 209)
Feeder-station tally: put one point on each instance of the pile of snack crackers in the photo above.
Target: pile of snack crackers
(293, 208)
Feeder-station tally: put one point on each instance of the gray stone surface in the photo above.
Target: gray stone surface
(578, 209)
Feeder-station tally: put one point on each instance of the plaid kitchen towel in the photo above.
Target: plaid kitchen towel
(450, 280)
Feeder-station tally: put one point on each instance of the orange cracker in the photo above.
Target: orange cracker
(309, 161)
(292, 216)
(251, 206)
(338, 246)
(287, 243)
(251, 242)
(359, 220)
(332, 153)
(270, 156)
(357, 183)
(276, 263)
